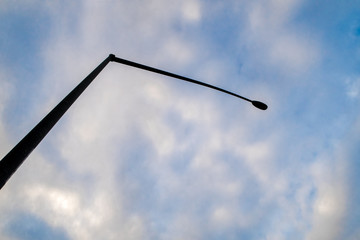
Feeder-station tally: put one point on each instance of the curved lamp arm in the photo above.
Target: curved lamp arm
(12, 161)
(257, 104)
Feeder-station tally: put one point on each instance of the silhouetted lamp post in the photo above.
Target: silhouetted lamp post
(12, 161)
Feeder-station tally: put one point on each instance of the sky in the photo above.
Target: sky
(143, 156)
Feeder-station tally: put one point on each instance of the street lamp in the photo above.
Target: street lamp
(12, 161)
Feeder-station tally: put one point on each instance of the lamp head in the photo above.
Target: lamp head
(259, 105)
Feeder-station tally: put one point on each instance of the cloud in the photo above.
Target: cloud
(331, 196)
(353, 88)
(5, 93)
(142, 156)
(276, 40)
(192, 11)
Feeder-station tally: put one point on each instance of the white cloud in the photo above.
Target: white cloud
(5, 93)
(177, 51)
(192, 11)
(222, 216)
(330, 205)
(353, 88)
(141, 156)
(274, 41)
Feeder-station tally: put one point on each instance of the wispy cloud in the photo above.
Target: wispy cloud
(140, 156)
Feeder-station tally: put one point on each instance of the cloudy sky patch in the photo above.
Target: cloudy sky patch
(142, 156)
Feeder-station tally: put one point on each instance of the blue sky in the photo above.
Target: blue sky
(141, 156)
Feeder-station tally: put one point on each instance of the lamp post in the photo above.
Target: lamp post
(12, 161)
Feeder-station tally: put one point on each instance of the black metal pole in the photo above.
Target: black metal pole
(257, 104)
(12, 161)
